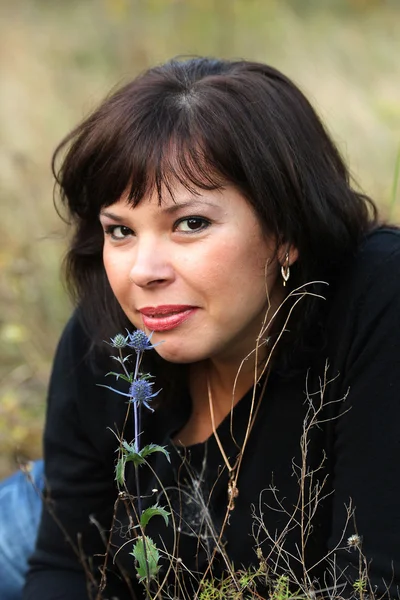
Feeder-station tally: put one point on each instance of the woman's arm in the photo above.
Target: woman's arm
(367, 436)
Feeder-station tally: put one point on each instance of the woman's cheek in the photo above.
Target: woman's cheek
(117, 272)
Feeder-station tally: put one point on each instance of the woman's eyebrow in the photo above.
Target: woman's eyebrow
(189, 204)
(173, 208)
(110, 215)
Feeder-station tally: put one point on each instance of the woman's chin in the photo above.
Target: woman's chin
(177, 355)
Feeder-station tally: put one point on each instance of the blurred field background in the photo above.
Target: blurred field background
(58, 58)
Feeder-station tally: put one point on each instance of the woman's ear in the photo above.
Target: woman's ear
(287, 254)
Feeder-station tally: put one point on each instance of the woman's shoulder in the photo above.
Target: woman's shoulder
(379, 246)
(375, 267)
(74, 337)
(364, 314)
(79, 349)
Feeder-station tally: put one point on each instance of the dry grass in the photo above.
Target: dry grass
(58, 59)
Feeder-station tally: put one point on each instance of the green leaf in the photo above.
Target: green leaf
(122, 361)
(146, 376)
(150, 448)
(120, 471)
(128, 447)
(138, 458)
(153, 511)
(146, 569)
(120, 376)
(131, 455)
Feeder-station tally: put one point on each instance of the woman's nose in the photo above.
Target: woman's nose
(150, 265)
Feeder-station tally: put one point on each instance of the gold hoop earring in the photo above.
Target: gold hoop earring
(285, 270)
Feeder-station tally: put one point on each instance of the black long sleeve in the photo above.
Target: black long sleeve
(367, 436)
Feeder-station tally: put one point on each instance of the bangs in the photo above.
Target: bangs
(114, 155)
(180, 160)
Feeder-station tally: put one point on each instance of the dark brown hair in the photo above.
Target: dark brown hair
(206, 122)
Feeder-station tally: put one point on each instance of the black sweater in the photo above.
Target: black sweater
(353, 461)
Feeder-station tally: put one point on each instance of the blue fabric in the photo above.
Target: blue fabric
(20, 508)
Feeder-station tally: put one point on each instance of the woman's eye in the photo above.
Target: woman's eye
(118, 232)
(192, 224)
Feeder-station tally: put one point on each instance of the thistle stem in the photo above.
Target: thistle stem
(136, 419)
(135, 404)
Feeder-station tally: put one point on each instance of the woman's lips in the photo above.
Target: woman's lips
(164, 318)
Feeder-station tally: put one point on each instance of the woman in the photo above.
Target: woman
(211, 208)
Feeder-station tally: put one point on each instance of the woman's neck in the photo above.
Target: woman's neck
(228, 381)
(215, 388)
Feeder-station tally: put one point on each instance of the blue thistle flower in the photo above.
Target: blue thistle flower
(141, 392)
(139, 341)
(119, 341)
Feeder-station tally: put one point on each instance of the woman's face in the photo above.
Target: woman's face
(194, 270)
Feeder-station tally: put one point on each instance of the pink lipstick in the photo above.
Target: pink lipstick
(165, 317)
